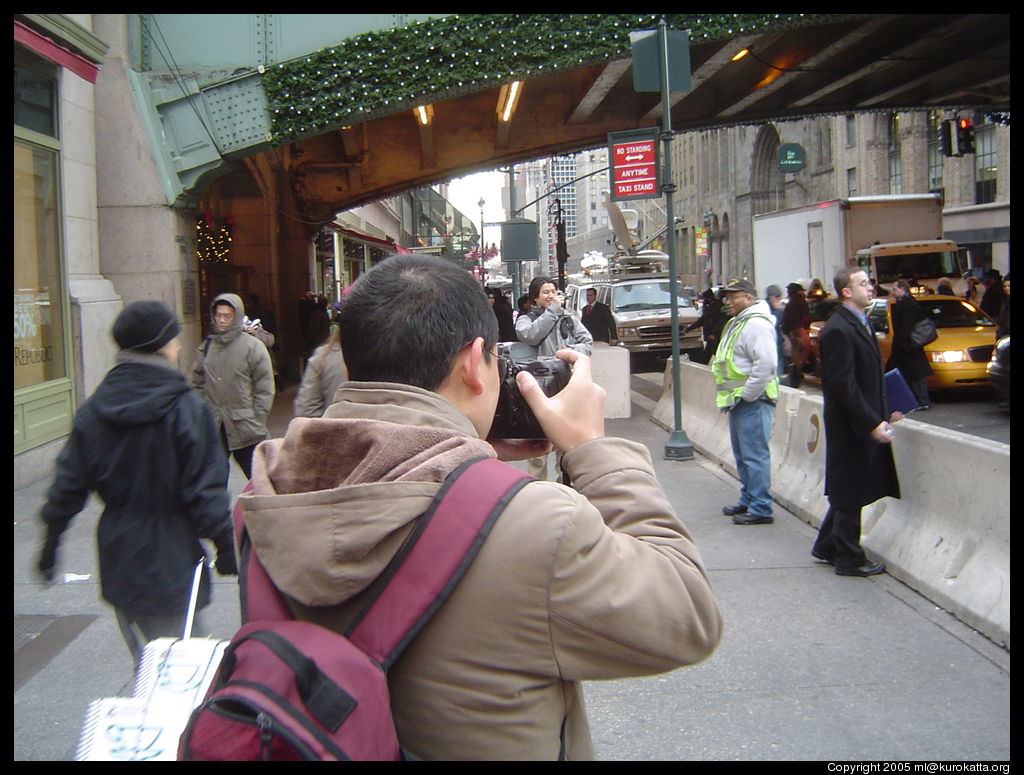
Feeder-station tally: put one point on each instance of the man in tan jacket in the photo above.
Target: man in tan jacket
(595, 581)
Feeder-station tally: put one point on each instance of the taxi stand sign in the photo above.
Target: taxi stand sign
(635, 158)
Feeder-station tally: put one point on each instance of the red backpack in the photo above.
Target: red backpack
(288, 690)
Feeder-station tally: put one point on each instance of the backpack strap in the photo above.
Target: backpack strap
(420, 577)
(444, 543)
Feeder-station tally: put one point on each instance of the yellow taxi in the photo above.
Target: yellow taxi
(959, 356)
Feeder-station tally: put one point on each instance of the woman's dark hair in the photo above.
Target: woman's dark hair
(407, 318)
(535, 285)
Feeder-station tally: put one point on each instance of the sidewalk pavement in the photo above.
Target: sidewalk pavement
(812, 666)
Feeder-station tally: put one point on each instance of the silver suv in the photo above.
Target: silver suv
(642, 309)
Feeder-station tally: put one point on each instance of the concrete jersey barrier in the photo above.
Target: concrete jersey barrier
(947, 537)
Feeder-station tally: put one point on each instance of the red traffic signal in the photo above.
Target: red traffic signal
(964, 136)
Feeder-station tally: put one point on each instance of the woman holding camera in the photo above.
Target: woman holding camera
(549, 326)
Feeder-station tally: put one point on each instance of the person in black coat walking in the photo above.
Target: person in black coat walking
(147, 445)
(905, 355)
(1004, 318)
(503, 312)
(713, 317)
(859, 464)
(598, 319)
(796, 329)
(993, 297)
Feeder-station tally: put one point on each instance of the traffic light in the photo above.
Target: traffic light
(948, 138)
(964, 136)
(956, 136)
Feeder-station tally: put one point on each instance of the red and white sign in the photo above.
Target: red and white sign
(634, 164)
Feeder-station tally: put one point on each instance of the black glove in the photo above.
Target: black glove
(48, 556)
(226, 564)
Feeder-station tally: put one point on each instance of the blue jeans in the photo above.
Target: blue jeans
(750, 426)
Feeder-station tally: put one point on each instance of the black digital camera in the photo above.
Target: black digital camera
(513, 418)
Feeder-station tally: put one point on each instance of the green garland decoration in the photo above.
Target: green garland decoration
(384, 72)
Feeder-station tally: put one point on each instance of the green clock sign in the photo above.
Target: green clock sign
(791, 157)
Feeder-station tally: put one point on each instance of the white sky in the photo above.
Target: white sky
(465, 193)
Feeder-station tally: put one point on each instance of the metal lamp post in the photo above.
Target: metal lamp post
(480, 257)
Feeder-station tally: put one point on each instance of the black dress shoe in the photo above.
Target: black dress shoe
(752, 519)
(732, 511)
(822, 558)
(869, 569)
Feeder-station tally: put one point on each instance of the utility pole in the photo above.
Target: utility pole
(678, 446)
(561, 250)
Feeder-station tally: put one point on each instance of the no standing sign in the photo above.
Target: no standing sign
(636, 165)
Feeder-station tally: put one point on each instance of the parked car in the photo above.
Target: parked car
(960, 355)
(999, 370)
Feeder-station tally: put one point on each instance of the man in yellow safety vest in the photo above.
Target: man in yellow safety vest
(745, 369)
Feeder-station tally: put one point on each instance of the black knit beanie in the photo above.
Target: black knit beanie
(146, 326)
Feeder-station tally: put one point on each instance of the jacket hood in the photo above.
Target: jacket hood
(139, 390)
(342, 491)
(236, 326)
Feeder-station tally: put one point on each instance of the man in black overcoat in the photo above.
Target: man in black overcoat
(598, 319)
(859, 465)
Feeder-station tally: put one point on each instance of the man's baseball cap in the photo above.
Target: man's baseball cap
(739, 286)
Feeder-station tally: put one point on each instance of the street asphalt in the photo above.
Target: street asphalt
(812, 666)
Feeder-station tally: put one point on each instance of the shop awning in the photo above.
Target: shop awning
(56, 53)
(367, 238)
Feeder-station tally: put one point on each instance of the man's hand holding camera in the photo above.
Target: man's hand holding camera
(573, 415)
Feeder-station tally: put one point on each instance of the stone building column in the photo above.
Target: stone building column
(94, 301)
(146, 247)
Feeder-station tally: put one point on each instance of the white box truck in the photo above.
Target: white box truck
(891, 237)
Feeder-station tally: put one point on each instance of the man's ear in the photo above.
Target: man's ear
(467, 365)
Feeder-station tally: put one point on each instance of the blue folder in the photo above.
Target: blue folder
(898, 394)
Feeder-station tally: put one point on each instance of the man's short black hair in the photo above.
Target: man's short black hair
(406, 320)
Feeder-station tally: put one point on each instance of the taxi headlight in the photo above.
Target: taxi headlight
(949, 356)
(625, 331)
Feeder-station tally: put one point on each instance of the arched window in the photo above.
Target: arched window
(765, 177)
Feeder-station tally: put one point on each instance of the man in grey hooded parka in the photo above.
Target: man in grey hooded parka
(234, 374)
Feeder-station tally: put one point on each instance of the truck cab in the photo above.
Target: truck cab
(926, 262)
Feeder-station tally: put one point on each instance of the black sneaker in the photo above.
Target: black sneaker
(732, 511)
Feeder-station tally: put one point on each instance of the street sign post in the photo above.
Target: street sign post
(672, 58)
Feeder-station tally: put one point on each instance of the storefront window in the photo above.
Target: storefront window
(39, 337)
(34, 101)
